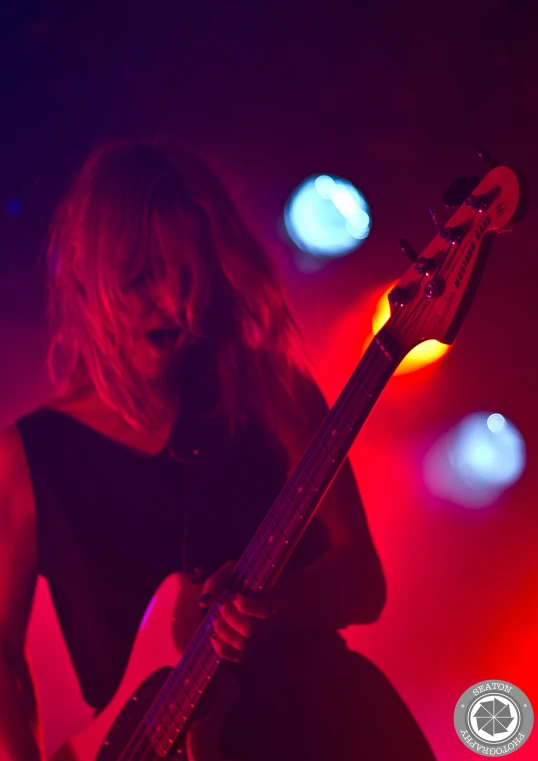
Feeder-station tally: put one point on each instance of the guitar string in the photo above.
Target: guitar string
(256, 553)
(380, 365)
(173, 676)
(255, 559)
(313, 463)
(141, 731)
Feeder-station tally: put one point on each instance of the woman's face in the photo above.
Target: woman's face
(159, 343)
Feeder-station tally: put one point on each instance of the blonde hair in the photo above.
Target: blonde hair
(128, 204)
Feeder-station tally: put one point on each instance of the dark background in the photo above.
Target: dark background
(394, 97)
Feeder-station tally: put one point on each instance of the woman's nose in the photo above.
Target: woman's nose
(160, 297)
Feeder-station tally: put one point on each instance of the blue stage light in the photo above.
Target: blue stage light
(478, 459)
(327, 216)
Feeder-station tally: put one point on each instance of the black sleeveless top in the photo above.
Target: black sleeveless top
(113, 523)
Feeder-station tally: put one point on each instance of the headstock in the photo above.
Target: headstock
(432, 297)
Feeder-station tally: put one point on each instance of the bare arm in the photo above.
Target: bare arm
(346, 585)
(19, 726)
(343, 586)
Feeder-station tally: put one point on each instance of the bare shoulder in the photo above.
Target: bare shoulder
(64, 403)
(18, 542)
(15, 482)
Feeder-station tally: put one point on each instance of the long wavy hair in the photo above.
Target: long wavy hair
(126, 210)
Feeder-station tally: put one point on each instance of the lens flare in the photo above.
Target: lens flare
(327, 216)
(424, 354)
(474, 462)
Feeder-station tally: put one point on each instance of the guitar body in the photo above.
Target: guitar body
(296, 720)
(293, 719)
(107, 737)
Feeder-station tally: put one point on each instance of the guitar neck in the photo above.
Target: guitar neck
(269, 550)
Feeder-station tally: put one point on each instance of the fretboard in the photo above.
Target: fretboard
(267, 553)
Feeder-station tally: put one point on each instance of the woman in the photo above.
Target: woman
(184, 393)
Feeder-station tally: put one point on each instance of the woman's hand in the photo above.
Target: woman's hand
(241, 622)
(239, 626)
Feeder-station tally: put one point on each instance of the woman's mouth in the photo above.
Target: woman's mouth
(164, 339)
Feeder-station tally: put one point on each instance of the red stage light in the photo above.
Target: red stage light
(424, 354)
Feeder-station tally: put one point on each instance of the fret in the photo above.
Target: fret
(278, 543)
(294, 504)
(338, 437)
(183, 708)
(295, 519)
(307, 474)
(254, 556)
(253, 559)
(252, 572)
(302, 490)
(197, 685)
(286, 518)
(162, 750)
(345, 421)
(277, 524)
(361, 400)
(338, 434)
(187, 703)
(366, 390)
(283, 526)
(176, 683)
(264, 549)
(164, 743)
(168, 736)
(203, 656)
(383, 348)
(171, 713)
(265, 572)
(327, 451)
(321, 466)
(188, 683)
(201, 663)
(186, 696)
(186, 700)
(163, 721)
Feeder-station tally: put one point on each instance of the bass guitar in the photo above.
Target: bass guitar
(149, 720)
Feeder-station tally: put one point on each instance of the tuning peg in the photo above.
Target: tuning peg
(450, 234)
(459, 190)
(434, 220)
(398, 296)
(478, 202)
(408, 249)
(486, 156)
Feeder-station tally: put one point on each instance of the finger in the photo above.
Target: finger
(226, 651)
(241, 622)
(215, 584)
(228, 634)
(257, 607)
